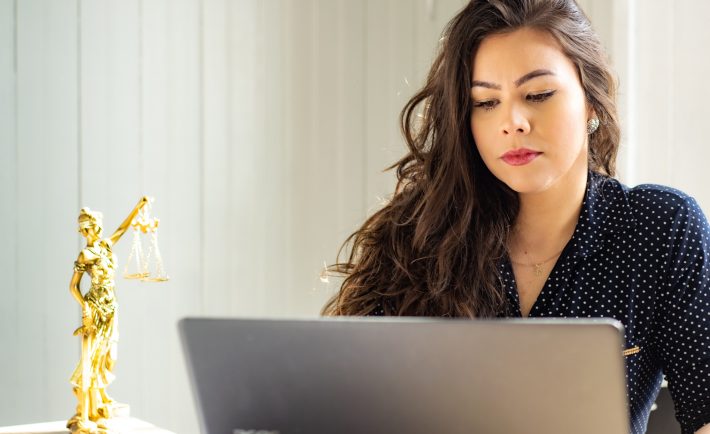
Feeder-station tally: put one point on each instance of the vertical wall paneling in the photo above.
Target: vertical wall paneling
(270, 283)
(292, 37)
(243, 108)
(600, 14)
(30, 205)
(430, 18)
(261, 196)
(59, 177)
(180, 237)
(623, 55)
(217, 251)
(688, 143)
(654, 56)
(325, 136)
(171, 170)
(346, 194)
(300, 138)
(398, 44)
(96, 161)
(9, 315)
(349, 195)
(390, 63)
(144, 318)
(47, 186)
(322, 160)
(609, 19)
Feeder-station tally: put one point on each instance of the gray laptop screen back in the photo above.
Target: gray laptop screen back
(395, 375)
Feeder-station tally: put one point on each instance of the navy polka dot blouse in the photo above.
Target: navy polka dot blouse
(642, 256)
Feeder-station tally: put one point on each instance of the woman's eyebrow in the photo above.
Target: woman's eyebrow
(529, 76)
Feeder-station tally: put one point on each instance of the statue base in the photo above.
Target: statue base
(115, 412)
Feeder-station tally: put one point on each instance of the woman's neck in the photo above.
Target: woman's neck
(546, 221)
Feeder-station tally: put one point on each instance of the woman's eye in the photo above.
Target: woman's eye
(486, 105)
(540, 97)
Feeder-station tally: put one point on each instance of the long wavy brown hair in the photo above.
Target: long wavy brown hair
(434, 249)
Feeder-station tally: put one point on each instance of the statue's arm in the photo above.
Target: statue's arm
(127, 222)
(74, 287)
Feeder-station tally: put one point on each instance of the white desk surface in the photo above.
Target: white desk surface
(120, 425)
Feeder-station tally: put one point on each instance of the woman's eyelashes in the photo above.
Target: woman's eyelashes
(490, 104)
(485, 105)
(540, 97)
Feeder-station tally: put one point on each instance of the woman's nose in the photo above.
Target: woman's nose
(515, 122)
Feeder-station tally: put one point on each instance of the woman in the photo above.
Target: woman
(506, 206)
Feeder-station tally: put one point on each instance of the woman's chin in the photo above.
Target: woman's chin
(530, 183)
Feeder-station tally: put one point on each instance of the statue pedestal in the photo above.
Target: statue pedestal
(122, 425)
(117, 412)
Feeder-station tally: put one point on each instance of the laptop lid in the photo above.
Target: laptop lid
(407, 375)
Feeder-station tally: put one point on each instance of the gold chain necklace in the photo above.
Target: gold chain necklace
(538, 265)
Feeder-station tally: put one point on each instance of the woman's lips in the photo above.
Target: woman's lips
(520, 157)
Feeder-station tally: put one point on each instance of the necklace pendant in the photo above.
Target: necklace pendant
(538, 269)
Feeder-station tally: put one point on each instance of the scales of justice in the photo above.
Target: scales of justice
(99, 325)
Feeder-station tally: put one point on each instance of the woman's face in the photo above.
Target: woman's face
(530, 113)
(92, 231)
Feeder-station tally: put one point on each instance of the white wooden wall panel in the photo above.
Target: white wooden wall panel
(321, 67)
(322, 161)
(216, 259)
(182, 235)
(599, 13)
(243, 141)
(303, 150)
(292, 29)
(272, 286)
(689, 99)
(172, 173)
(31, 212)
(653, 127)
(10, 315)
(153, 311)
(335, 70)
(670, 145)
(621, 47)
(610, 20)
(267, 186)
(59, 175)
(346, 196)
(390, 66)
(47, 114)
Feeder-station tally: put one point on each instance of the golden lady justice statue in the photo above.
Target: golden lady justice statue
(99, 329)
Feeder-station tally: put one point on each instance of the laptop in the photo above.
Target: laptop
(407, 375)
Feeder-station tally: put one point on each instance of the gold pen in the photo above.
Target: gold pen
(631, 351)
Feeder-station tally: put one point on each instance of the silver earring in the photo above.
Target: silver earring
(592, 125)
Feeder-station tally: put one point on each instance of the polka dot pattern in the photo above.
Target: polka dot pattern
(642, 256)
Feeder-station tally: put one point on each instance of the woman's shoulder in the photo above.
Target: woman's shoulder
(652, 209)
(653, 199)
(661, 202)
(661, 207)
(660, 196)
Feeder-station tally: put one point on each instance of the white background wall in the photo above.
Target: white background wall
(262, 128)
